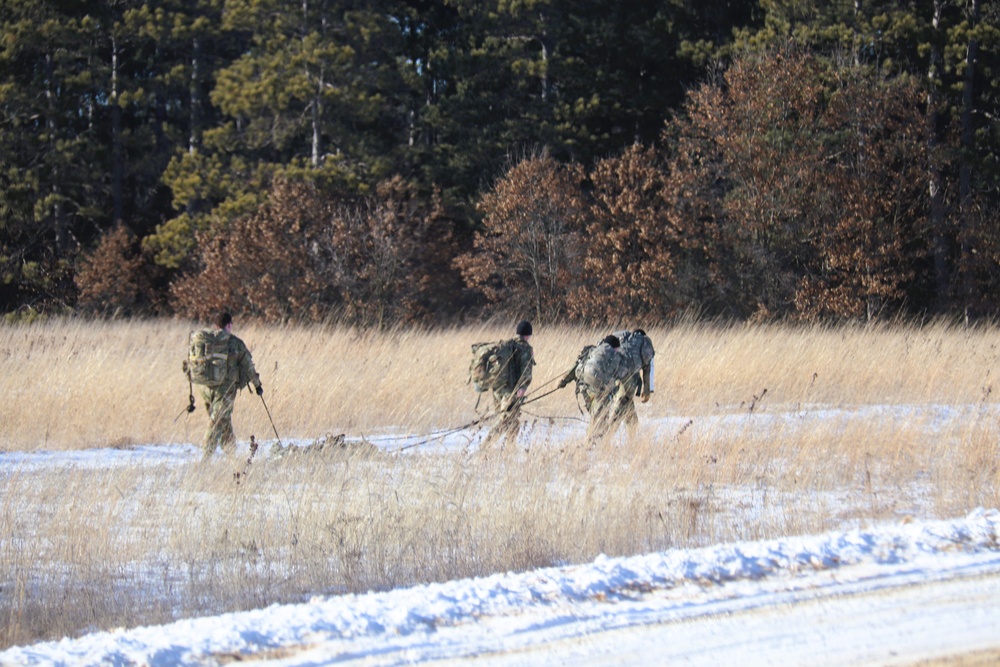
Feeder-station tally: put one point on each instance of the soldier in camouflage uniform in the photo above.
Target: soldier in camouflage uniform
(219, 401)
(609, 375)
(598, 375)
(636, 375)
(508, 395)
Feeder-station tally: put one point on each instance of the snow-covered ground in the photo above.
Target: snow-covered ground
(892, 594)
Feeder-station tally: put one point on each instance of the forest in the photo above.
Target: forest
(420, 162)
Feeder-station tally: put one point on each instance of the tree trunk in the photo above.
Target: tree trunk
(935, 187)
(59, 227)
(316, 118)
(117, 167)
(194, 136)
(965, 169)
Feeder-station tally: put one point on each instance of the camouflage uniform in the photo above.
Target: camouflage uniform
(219, 401)
(506, 402)
(599, 374)
(637, 350)
(608, 379)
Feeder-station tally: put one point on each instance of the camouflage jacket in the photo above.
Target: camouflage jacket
(239, 366)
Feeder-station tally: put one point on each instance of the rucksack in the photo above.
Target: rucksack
(490, 365)
(637, 347)
(208, 356)
(581, 362)
(601, 368)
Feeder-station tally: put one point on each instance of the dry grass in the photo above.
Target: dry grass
(753, 432)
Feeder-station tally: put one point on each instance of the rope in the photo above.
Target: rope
(436, 435)
(440, 434)
(573, 418)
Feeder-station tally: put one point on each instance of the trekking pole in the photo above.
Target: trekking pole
(264, 403)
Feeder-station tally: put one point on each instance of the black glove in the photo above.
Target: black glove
(190, 407)
(260, 390)
(563, 383)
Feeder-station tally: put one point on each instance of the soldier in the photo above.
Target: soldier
(609, 375)
(637, 374)
(219, 400)
(508, 393)
(599, 383)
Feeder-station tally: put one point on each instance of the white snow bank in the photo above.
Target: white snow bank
(495, 613)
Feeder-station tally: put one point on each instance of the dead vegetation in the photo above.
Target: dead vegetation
(753, 432)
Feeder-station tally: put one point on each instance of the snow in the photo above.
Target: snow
(700, 605)
(894, 593)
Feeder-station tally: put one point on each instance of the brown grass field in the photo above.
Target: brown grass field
(753, 432)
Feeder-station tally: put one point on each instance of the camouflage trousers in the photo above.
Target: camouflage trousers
(219, 402)
(507, 408)
(609, 407)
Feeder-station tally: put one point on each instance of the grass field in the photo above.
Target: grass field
(753, 432)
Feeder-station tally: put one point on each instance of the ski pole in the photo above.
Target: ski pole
(264, 403)
(271, 420)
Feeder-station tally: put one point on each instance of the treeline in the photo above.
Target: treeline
(386, 161)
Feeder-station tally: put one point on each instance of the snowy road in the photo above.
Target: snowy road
(895, 594)
(902, 623)
(902, 619)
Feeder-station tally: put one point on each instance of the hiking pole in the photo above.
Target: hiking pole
(278, 437)
(264, 403)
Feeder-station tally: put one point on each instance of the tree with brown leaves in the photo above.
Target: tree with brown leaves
(527, 255)
(381, 254)
(632, 246)
(114, 279)
(807, 174)
(265, 265)
(307, 257)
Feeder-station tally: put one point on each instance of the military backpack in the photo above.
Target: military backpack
(581, 363)
(490, 367)
(208, 356)
(601, 367)
(637, 347)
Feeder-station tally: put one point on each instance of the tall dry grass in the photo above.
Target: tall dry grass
(753, 432)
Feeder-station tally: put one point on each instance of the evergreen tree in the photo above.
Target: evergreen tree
(51, 156)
